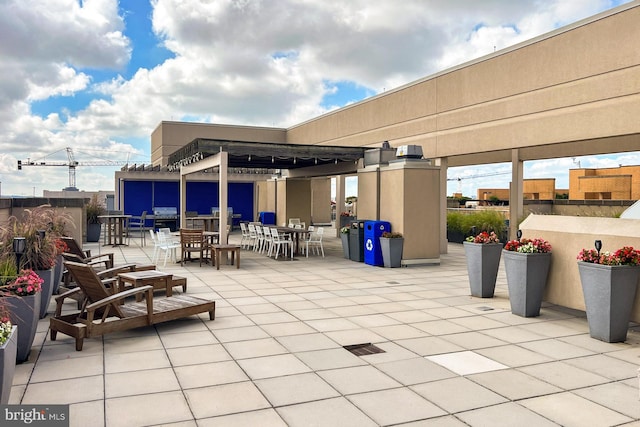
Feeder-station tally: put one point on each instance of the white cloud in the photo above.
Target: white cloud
(236, 61)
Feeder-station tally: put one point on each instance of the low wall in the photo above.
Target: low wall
(73, 207)
(570, 234)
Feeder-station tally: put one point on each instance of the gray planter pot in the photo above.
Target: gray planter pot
(47, 290)
(24, 313)
(57, 274)
(391, 251)
(483, 260)
(346, 220)
(8, 365)
(609, 292)
(345, 244)
(93, 232)
(526, 277)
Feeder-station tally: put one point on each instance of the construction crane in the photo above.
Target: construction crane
(459, 179)
(71, 164)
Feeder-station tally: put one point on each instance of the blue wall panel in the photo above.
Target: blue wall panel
(201, 197)
(166, 194)
(241, 199)
(137, 197)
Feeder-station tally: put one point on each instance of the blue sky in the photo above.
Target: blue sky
(99, 75)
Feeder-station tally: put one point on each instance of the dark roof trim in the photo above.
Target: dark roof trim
(265, 155)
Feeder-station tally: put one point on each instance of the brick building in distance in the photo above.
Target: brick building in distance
(618, 183)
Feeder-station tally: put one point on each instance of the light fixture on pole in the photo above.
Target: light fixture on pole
(19, 246)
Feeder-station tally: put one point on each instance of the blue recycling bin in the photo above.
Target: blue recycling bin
(372, 232)
(268, 218)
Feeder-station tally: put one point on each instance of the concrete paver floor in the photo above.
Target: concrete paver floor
(274, 354)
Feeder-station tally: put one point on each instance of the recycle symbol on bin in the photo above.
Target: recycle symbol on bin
(369, 245)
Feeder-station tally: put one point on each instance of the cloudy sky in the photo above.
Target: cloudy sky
(99, 75)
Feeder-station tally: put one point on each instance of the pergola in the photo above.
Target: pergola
(210, 154)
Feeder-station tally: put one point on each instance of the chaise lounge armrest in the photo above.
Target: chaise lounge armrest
(120, 296)
(106, 259)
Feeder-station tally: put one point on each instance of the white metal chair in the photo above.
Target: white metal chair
(315, 241)
(244, 242)
(268, 240)
(278, 240)
(167, 244)
(293, 222)
(156, 246)
(253, 237)
(259, 240)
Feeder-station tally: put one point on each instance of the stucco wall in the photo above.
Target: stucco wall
(568, 235)
(576, 84)
(407, 192)
(168, 136)
(367, 194)
(321, 200)
(298, 199)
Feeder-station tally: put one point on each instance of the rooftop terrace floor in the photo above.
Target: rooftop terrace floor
(274, 354)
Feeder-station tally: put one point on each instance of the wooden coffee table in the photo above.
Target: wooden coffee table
(218, 250)
(158, 279)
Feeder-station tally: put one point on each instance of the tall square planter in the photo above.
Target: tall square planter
(47, 290)
(391, 251)
(609, 292)
(8, 365)
(24, 312)
(345, 244)
(526, 278)
(483, 260)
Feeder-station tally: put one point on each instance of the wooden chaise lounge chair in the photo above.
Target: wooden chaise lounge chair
(74, 250)
(104, 312)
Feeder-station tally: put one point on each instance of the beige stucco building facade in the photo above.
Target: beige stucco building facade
(572, 92)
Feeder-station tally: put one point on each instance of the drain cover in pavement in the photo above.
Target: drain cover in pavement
(393, 283)
(363, 349)
(485, 308)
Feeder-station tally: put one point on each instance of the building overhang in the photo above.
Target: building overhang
(264, 155)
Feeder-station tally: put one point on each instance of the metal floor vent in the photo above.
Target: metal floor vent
(363, 349)
(485, 308)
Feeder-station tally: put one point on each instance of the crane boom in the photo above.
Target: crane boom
(72, 163)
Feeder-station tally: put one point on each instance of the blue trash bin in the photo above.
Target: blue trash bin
(268, 218)
(372, 232)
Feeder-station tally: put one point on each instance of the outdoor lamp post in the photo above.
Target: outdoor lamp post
(19, 245)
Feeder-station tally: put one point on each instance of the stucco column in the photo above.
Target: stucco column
(516, 206)
(183, 201)
(340, 196)
(442, 163)
(223, 190)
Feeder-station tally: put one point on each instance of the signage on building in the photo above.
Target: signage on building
(186, 161)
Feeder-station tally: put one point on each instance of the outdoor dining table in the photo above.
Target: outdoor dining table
(116, 228)
(295, 232)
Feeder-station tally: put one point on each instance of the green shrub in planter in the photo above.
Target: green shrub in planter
(460, 224)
